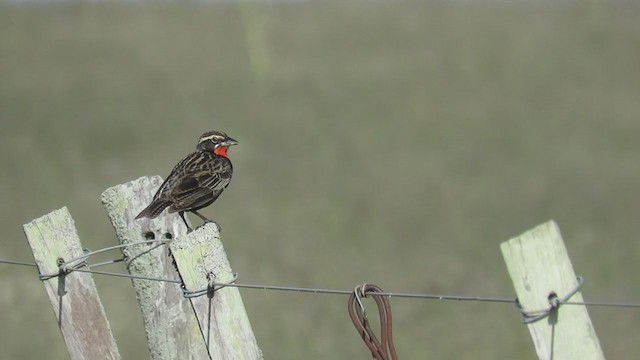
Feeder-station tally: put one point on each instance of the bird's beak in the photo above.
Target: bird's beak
(229, 142)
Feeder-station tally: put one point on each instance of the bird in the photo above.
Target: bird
(196, 181)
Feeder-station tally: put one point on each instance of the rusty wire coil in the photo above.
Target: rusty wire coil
(380, 349)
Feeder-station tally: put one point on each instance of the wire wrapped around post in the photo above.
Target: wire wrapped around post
(380, 350)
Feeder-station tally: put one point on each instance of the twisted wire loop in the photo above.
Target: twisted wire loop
(531, 316)
(380, 350)
(81, 262)
(211, 288)
(64, 269)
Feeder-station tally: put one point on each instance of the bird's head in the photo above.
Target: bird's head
(216, 142)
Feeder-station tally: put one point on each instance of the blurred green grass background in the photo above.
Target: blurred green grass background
(389, 142)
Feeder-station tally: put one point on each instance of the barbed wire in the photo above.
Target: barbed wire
(426, 296)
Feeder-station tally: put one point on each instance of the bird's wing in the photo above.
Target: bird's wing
(200, 185)
(178, 171)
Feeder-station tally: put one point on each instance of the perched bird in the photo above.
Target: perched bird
(196, 181)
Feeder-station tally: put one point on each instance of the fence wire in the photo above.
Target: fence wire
(88, 268)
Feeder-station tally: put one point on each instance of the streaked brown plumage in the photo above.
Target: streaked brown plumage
(197, 180)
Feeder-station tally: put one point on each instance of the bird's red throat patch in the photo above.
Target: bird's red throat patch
(221, 151)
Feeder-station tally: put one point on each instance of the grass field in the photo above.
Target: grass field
(392, 143)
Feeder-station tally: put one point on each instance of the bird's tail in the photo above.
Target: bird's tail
(154, 209)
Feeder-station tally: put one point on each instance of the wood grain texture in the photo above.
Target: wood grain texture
(74, 297)
(222, 317)
(171, 327)
(539, 265)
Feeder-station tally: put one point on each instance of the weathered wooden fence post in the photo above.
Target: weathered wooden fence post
(171, 326)
(201, 259)
(81, 318)
(539, 267)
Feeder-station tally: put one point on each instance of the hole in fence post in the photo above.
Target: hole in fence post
(553, 300)
(149, 235)
(168, 236)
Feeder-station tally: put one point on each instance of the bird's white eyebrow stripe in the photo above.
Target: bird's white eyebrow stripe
(209, 138)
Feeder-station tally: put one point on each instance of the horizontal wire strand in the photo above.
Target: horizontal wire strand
(22, 263)
(330, 291)
(129, 276)
(603, 304)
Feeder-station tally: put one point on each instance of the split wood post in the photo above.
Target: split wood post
(226, 330)
(171, 327)
(74, 297)
(539, 266)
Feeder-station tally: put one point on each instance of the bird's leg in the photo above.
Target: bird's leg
(206, 220)
(201, 216)
(189, 229)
